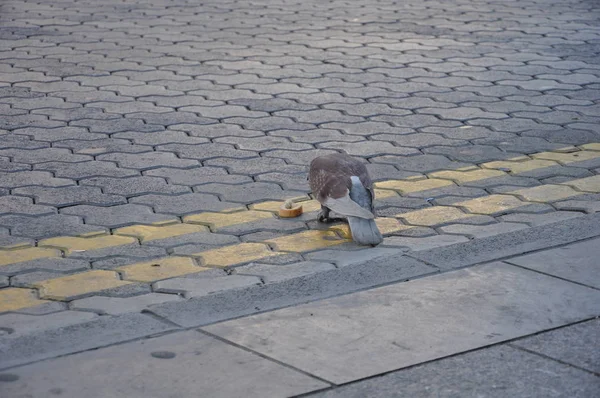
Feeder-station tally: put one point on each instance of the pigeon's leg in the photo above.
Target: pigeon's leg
(323, 216)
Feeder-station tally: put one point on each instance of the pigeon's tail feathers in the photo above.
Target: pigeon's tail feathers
(364, 231)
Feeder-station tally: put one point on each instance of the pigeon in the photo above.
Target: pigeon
(342, 184)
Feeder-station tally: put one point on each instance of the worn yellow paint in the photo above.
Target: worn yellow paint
(595, 146)
(27, 254)
(460, 177)
(221, 220)
(520, 167)
(386, 225)
(235, 254)
(384, 193)
(152, 232)
(13, 299)
(72, 244)
(408, 186)
(72, 286)
(569, 157)
(491, 205)
(162, 268)
(306, 241)
(588, 184)
(546, 193)
(434, 216)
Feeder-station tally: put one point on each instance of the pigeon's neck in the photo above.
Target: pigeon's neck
(360, 194)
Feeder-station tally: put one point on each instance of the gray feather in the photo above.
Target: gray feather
(364, 232)
(347, 207)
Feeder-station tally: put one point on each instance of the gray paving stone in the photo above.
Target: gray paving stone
(194, 352)
(473, 154)
(188, 287)
(70, 195)
(43, 155)
(576, 262)
(47, 226)
(572, 344)
(420, 163)
(197, 176)
(134, 186)
(248, 193)
(202, 238)
(115, 305)
(183, 204)
(514, 243)
(3, 281)
(278, 273)
(81, 170)
(343, 258)
(99, 147)
(482, 231)
(492, 372)
(116, 216)
(206, 151)
(250, 166)
(147, 160)
(21, 205)
(322, 340)
(58, 264)
(540, 219)
(27, 178)
(48, 336)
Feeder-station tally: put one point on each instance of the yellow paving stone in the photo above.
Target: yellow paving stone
(71, 286)
(13, 299)
(546, 193)
(93, 233)
(591, 147)
(461, 177)
(386, 225)
(235, 254)
(222, 220)
(162, 268)
(566, 158)
(26, 254)
(151, 232)
(383, 193)
(491, 205)
(306, 241)
(405, 186)
(588, 184)
(72, 244)
(520, 167)
(433, 216)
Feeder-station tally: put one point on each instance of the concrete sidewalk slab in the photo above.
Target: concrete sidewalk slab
(579, 262)
(497, 372)
(185, 364)
(363, 334)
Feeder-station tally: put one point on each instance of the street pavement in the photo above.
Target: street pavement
(146, 147)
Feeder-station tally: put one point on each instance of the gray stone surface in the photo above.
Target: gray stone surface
(513, 243)
(408, 323)
(192, 364)
(40, 337)
(115, 305)
(496, 372)
(277, 273)
(576, 345)
(576, 262)
(195, 287)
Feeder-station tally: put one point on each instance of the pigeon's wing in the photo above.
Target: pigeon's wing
(347, 207)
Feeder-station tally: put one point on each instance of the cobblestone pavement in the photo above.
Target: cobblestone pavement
(146, 147)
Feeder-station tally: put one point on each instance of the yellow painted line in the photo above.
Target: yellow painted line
(265, 210)
(70, 244)
(163, 268)
(306, 241)
(153, 232)
(588, 184)
(12, 299)
(217, 221)
(235, 254)
(71, 286)
(27, 254)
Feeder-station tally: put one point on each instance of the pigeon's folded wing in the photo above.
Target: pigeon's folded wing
(347, 207)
